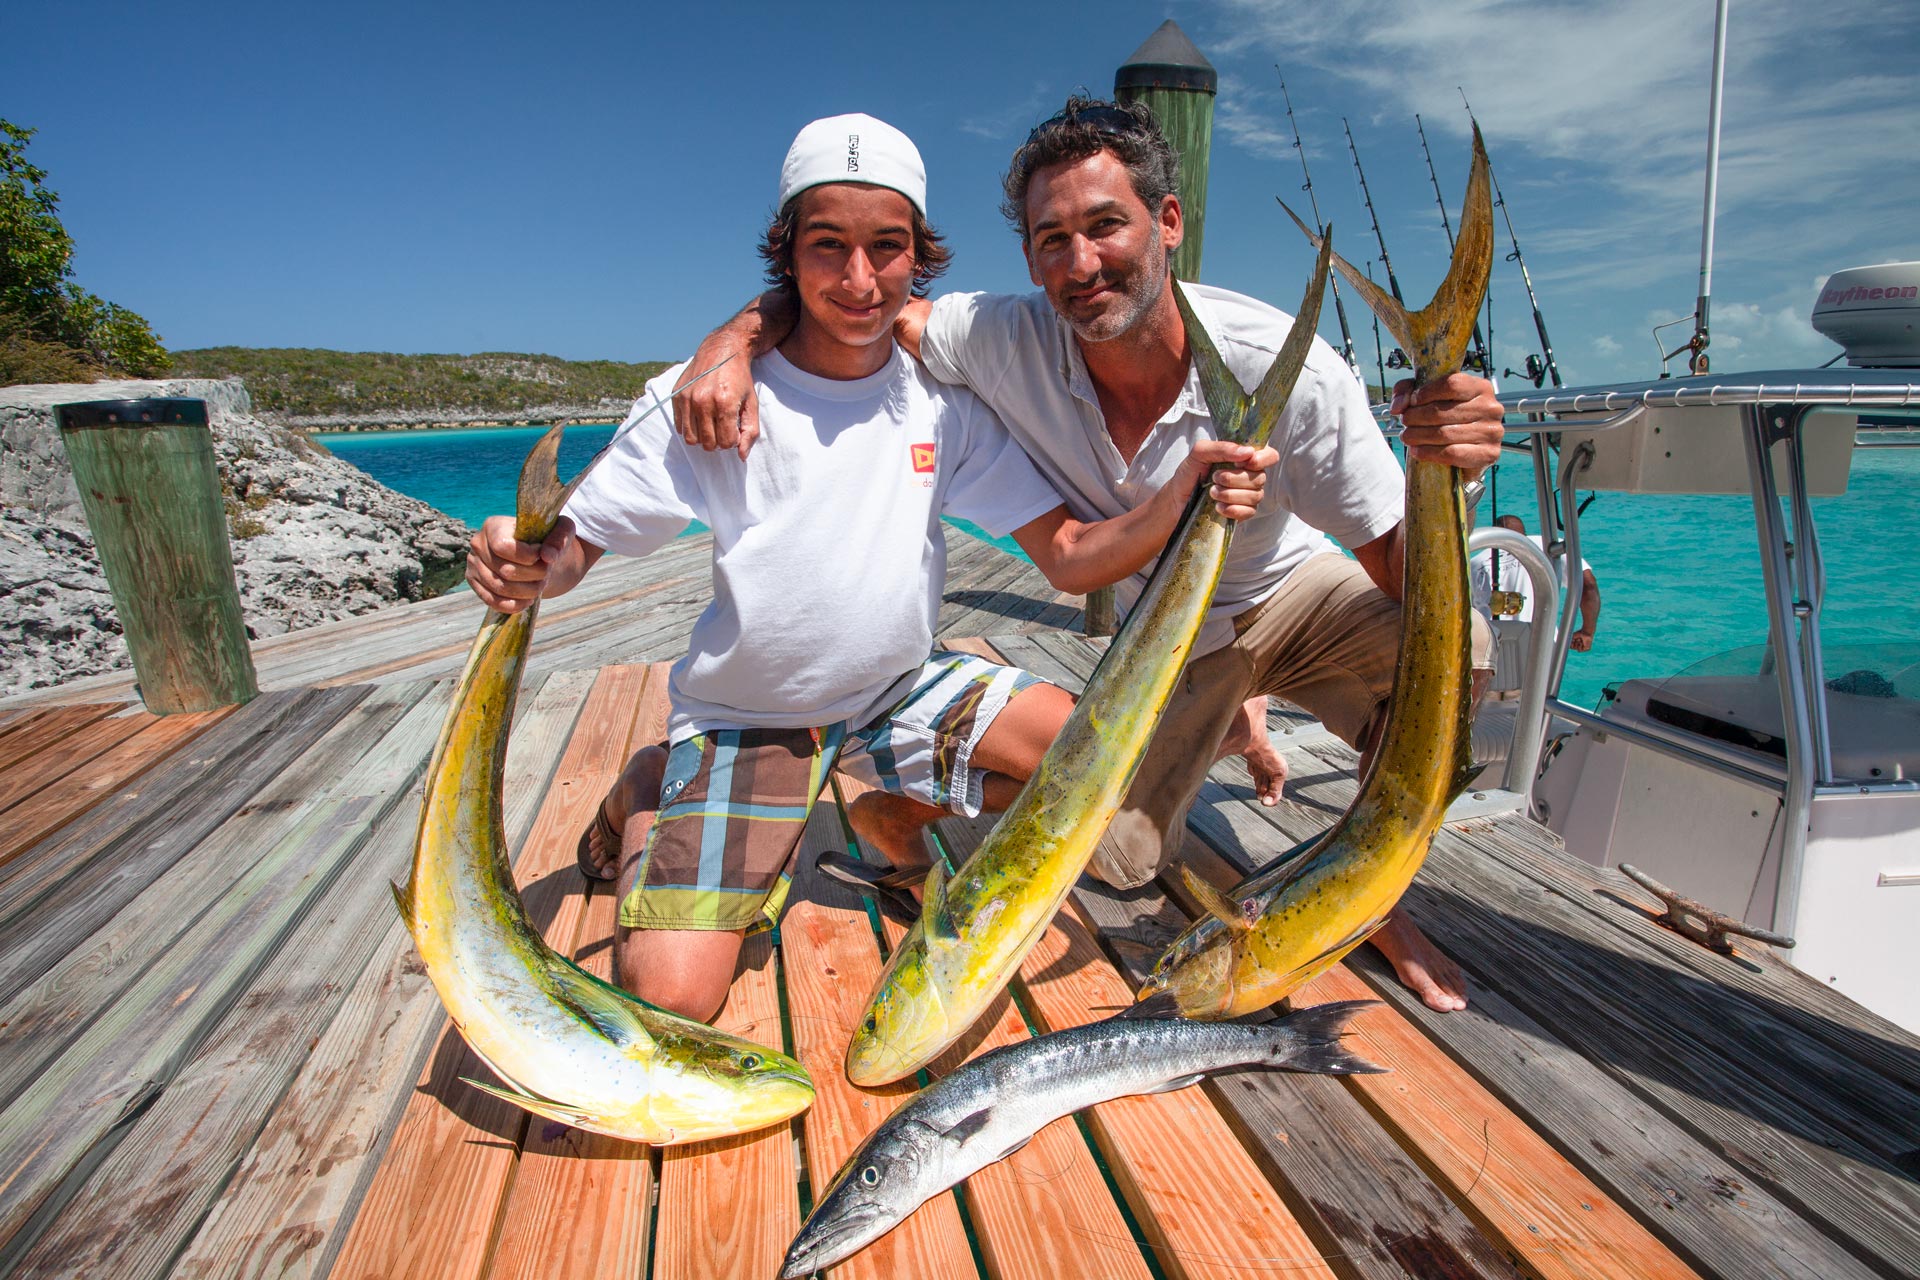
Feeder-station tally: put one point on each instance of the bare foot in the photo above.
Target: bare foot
(1422, 967)
(1247, 736)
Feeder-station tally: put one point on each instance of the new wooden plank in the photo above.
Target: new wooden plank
(581, 1203)
(46, 811)
(1703, 1206)
(43, 729)
(81, 971)
(285, 1210)
(55, 760)
(731, 1206)
(130, 837)
(136, 1211)
(831, 961)
(1044, 1211)
(433, 1204)
(1203, 1203)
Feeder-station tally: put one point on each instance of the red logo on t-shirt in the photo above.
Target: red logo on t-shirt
(922, 457)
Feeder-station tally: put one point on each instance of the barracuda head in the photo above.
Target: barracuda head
(906, 1023)
(883, 1181)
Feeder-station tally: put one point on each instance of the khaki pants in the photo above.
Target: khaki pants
(1326, 641)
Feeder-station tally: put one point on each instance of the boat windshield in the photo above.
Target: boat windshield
(1733, 698)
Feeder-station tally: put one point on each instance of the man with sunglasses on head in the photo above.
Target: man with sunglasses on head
(1092, 376)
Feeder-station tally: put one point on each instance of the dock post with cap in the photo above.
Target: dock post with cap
(146, 474)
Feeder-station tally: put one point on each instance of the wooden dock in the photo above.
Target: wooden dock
(219, 1056)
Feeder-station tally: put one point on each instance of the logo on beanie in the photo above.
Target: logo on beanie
(923, 455)
(853, 153)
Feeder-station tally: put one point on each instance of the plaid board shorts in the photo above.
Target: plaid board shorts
(733, 802)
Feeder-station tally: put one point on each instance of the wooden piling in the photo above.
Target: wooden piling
(146, 474)
(1178, 84)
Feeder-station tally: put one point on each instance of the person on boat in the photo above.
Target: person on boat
(828, 570)
(1092, 376)
(1513, 580)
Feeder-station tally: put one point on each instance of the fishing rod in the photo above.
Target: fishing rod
(1339, 307)
(1482, 357)
(1399, 358)
(1379, 352)
(1535, 370)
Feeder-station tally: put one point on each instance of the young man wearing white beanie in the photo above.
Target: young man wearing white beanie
(828, 569)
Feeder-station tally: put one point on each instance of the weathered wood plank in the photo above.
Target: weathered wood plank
(285, 1211)
(731, 1206)
(57, 759)
(74, 1111)
(143, 1203)
(129, 838)
(80, 974)
(41, 814)
(831, 961)
(432, 1208)
(1704, 1207)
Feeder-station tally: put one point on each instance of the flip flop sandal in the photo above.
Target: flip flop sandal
(609, 839)
(888, 889)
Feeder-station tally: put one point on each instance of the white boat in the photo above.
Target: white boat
(1778, 791)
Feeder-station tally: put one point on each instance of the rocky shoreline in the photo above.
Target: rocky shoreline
(314, 538)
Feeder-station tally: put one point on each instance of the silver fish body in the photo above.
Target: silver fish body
(992, 1106)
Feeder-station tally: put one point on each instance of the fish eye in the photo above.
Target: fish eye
(870, 1176)
(749, 1062)
(872, 1024)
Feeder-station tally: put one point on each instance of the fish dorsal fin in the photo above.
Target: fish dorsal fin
(602, 1006)
(403, 899)
(933, 907)
(1161, 1004)
(1217, 904)
(969, 1125)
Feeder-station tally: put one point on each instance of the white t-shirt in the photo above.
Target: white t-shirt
(828, 554)
(1336, 472)
(1513, 577)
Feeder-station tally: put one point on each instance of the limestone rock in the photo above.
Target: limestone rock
(314, 539)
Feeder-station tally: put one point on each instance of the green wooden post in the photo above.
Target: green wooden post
(147, 479)
(1177, 84)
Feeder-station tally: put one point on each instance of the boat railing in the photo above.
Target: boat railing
(1530, 720)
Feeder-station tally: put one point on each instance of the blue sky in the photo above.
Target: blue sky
(589, 180)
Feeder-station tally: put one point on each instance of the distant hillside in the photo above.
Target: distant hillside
(303, 386)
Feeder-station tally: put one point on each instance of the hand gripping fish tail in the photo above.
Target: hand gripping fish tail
(977, 926)
(1293, 919)
(567, 1045)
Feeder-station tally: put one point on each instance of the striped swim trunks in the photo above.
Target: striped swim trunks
(733, 802)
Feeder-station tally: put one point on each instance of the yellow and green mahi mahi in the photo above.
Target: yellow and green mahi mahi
(975, 929)
(570, 1047)
(1296, 917)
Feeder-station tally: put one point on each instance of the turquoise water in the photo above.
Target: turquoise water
(1679, 577)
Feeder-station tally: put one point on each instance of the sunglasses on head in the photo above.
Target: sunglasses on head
(1102, 119)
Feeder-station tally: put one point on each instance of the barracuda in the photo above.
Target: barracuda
(570, 1047)
(988, 1109)
(974, 929)
(1302, 913)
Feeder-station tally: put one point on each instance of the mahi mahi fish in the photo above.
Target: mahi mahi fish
(1302, 913)
(974, 929)
(988, 1109)
(570, 1047)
